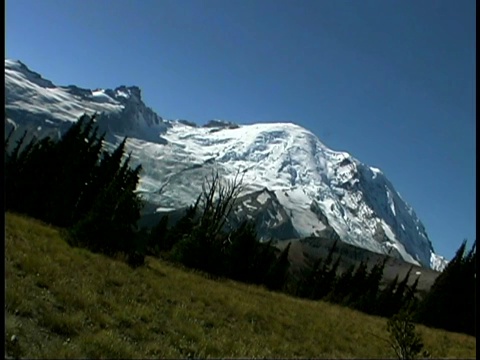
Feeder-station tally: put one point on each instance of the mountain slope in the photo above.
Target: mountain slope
(64, 302)
(293, 184)
(38, 104)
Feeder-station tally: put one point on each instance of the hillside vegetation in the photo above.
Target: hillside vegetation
(64, 302)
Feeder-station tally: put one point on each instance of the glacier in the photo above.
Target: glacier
(293, 184)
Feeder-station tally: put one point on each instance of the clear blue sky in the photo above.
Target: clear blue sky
(391, 82)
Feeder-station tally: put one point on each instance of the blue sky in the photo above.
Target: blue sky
(391, 82)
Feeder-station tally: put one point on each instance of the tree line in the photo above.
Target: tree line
(357, 287)
(73, 183)
(450, 304)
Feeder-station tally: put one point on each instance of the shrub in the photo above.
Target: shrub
(403, 338)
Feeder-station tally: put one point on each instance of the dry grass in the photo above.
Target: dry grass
(64, 302)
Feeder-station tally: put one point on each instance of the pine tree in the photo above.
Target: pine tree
(358, 285)
(64, 182)
(92, 186)
(318, 277)
(20, 176)
(111, 223)
(277, 275)
(36, 179)
(410, 300)
(205, 247)
(13, 175)
(242, 249)
(75, 157)
(157, 239)
(183, 227)
(262, 262)
(13, 156)
(369, 299)
(328, 272)
(399, 299)
(342, 287)
(7, 140)
(468, 293)
(309, 278)
(450, 303)
(404, 340)
(386, 305)
(333, 274)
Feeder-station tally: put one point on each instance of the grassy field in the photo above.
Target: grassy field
(64, 302)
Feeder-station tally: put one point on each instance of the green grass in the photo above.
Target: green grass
(64, 302)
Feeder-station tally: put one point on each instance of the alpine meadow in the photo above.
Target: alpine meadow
(221, 179)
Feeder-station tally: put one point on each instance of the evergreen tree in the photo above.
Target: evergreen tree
(277, 275)
(111, 223)
(183, 227)
(342, 287)
(91, 187)
(410, 299)
(7, 140)
(309, 278)
(64, 182)
(35, 181)
(386, 305)
(205, 247)
(368, 301)
(319, 276)
(450, 303)
(404, 340)
(262, 262)
(334, 268)
(21, 174)
(157, 239)
(328, 272)
(13, 175)
(13, 156)
(468, 293)
(358, 285)
(399, 298)
(75, 157)
(242, 249)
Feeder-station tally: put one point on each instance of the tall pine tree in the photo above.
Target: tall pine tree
(450, 303)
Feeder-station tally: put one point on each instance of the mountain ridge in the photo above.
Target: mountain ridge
(309, 185)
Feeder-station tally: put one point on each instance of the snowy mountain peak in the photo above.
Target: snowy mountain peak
(32, 76)
(126, 92)
(216, 123)
(294, 185)
(36, 102)
(359, 203)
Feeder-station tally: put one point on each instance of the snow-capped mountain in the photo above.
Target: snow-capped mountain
(294, 185)
(38, 104)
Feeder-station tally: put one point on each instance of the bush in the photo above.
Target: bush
(403, 339)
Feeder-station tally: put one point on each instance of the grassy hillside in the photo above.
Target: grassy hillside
(68, 302)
